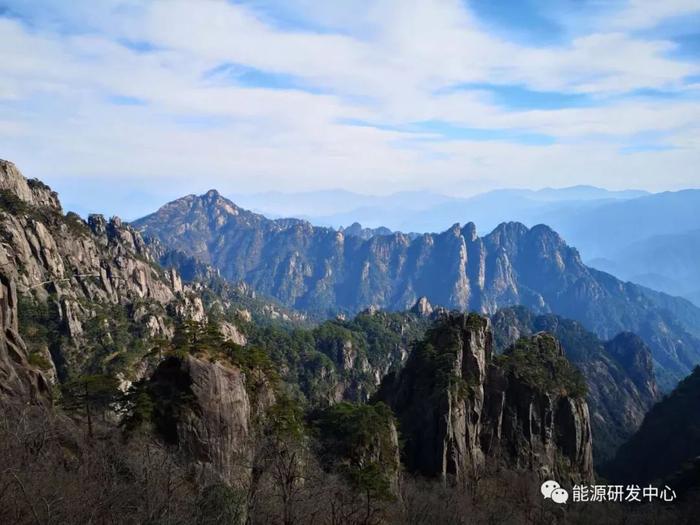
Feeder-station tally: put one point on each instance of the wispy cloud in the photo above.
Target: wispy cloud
(370, 96)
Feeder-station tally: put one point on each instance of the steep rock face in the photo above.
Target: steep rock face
(460, 410)
(544, 429)
(619, 373)
(362, 351)
(635, 357)
(82, 274)
(666, 447)
(213, 422)
(18, 379)
(33, 191)
(326, 271)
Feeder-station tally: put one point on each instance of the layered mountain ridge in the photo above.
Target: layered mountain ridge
(198, 392)
(325, 271)
(619, 372)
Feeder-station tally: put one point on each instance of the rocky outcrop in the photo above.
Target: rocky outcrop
(534, 425)
(423, 307)
(619, 373)
(461, 410)
(326, 271)
(81, 271)
(208, 412)
(33, 191)
(19, 380)
(634, 356)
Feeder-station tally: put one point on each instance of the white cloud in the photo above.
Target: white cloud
(642, 14)
(389, 66)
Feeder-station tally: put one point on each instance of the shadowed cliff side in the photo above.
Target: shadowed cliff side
(619, 373)
(19, 380)
(462, 410)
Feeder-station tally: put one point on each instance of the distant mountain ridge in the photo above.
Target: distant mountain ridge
(324, 271)
(666, 262)
(415, 210)
(621, 232)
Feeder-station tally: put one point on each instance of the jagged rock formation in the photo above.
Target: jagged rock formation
(80, 281)
(206, 409)
(619, 373)
(356, 230)
(19, 380)
(327, 271)
(423, 307)
(461, 410)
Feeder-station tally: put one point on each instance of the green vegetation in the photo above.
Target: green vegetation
(76, 225)
(433, 359)
(39, 322)
(36, 184)
(315, 359)
(11, 203)
(359, 441)
(538, 363)
(38, 360)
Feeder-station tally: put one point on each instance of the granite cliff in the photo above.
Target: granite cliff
(462, 410)
(619, 373)
(19, 379)
(325, 271)
(90, 294)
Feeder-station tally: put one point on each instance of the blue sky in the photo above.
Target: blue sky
(122, 105)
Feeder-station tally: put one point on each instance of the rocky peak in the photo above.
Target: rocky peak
(422, 307)
(462, 410)
(315, 269)
(97, 223)
(620, 378)
(33, 192)
(507, 232)
(356, 230)
(635, 357)
(455, 230)
(80, 271)
(469, 232)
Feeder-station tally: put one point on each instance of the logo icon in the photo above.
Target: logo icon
(551, 489)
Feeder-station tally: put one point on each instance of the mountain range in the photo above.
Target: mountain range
(326, 272)
(137, 363)
(611, 229)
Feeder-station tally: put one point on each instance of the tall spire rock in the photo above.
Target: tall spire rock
(462, 410)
